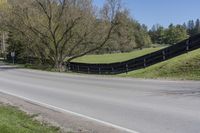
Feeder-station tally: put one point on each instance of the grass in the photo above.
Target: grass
(14, 121)
(117, 57)
(184, 67)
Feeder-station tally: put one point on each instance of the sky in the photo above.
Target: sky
(162, 12)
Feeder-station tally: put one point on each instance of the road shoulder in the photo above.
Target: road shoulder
(67, 122)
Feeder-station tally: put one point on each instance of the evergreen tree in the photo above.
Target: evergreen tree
(191, 27)
(157, 34)
(185, 25)
(197, 27)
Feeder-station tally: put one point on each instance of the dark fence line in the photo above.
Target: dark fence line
(27, 60)
(182, 47)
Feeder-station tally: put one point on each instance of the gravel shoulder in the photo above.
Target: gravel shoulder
(67, 122)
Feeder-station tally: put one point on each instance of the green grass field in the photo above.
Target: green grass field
(111, 58)
(185, 67)
(14, 121)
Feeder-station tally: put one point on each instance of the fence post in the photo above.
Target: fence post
(99, 70)
(112, 70)
(88, 70)
(163, 52)
(127, 69)
(78, 68)
(69, 67)
(187, 45)
(66, 67)
(145, 62)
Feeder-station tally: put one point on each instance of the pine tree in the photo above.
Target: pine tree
(197, 27)
(185, 26)
(191, 28)
(157, 34)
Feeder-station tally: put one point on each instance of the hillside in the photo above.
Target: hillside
(117, 57)
(185, 67)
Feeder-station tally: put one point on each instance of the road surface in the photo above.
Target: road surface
(142, 106)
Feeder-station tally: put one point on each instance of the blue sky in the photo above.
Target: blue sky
(161, 12)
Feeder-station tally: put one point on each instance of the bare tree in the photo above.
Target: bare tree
(62, 30)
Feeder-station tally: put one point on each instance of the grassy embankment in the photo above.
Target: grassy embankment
(185, 67)
(14, 121)
(117, 57)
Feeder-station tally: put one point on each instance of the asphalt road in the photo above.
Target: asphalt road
(144, 106)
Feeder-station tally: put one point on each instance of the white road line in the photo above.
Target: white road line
(73, 113)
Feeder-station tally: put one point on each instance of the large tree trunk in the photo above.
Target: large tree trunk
(59, 66)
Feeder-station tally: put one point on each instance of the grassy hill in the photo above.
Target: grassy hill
(117, 57)
(186, 67)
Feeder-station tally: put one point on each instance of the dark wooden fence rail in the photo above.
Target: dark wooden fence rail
(185, 46)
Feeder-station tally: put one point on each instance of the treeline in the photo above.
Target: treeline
(174, 33)
(192, 27)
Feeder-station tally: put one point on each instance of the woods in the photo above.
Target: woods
(174, 33)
